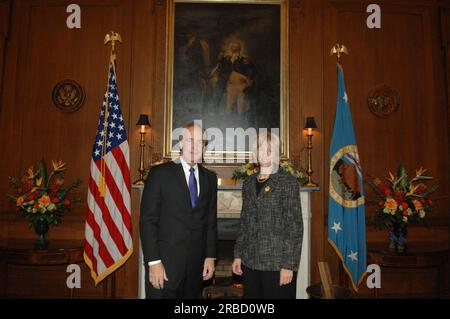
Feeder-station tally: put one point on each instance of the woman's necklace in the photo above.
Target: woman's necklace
(262, 180)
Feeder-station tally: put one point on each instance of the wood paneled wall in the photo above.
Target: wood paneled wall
(410, 53)
(4, 31)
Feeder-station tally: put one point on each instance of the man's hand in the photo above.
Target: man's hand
(237, 262)
(286, 276)
(208, 268)
(157, 275)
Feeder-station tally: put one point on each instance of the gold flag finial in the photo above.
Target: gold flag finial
(338, 50)
(112, 37)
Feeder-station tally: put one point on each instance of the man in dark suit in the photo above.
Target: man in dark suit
(178, 222)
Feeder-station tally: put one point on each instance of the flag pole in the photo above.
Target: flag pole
(111, 37)
(339, 50)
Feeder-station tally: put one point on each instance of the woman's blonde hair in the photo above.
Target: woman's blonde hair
(273, 142)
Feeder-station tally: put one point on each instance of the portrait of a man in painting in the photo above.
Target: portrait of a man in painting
(226, 66)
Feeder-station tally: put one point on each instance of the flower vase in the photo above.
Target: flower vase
(397, 237)
(41, 228)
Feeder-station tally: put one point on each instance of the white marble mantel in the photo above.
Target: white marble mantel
(229, 203)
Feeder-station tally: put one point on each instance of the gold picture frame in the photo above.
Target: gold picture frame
(280, 89)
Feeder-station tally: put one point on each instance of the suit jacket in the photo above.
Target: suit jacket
(171, 230)
(271, 232)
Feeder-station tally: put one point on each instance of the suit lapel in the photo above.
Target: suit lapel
(203, 183)
(181, 181)
(251, 189)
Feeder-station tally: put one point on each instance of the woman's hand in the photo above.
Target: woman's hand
(286, 276)
(237, 266)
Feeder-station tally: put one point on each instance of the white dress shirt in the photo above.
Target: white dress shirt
(187, 174)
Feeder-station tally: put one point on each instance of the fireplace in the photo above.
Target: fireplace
(225, 284)
(227, 230)
(229, 203)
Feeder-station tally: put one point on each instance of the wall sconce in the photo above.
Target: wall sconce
(309, 127)
(143, 122)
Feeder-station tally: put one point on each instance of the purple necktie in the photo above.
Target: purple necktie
(193, 187)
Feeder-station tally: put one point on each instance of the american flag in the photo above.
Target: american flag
(108, 240)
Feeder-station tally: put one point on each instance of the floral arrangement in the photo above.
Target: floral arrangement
(248, 169)
(42, 197)
(403, 200)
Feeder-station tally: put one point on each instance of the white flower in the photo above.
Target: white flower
(422, 213)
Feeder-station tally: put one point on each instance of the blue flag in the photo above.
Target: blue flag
(346, 214)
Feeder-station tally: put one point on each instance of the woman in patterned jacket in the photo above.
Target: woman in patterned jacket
(267, 250)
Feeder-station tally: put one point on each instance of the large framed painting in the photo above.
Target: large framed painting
(227, 69)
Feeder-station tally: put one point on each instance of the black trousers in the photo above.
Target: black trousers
(189, 288)
(266, 285)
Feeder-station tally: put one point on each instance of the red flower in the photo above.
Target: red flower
(55, 200)
(382, 187)
(399, 196)
(36, 205)
(19, 190)
(422, 201)
(32, 196)
(381, 203)
(430, 202)
(66, 202)
(405, 205)
(405, 213)
(55, 188)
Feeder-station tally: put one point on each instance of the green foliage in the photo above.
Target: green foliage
(248, 169)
